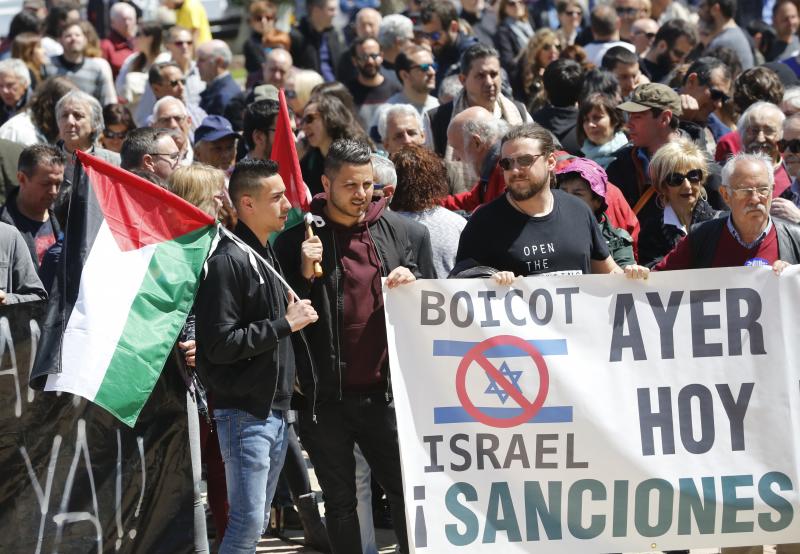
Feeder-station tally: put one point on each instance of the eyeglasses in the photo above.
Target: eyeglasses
(626, 11)
(108, 133)
(434, 36)
(675, 179)
(424, 67)
(183, 42)
(792, 145)
(650, 36)
(762, 192)
(308, 119)
(365, 57)
(176, 82)
(173, 157)
(718, 96)
(522, 162)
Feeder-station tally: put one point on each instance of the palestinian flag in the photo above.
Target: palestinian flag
(284, 152)
(127, 278)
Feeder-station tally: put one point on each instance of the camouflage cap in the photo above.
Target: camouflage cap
(653, 95)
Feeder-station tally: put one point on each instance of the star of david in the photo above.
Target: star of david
(513, 378)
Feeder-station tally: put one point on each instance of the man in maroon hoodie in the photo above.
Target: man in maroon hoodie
(347, 390)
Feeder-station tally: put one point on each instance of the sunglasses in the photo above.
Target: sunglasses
(650, 36)
(522, 162)
(108, 133)
(176, 82)
(434, 36)
(183, 42)
(424, 67)
(792, 145)
(365, 57)
(718, 96)
(626, 11)
(676, 179)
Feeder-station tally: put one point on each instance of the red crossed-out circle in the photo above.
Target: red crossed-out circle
(476, 354)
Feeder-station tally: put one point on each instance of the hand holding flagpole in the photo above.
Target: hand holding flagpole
(308, 218)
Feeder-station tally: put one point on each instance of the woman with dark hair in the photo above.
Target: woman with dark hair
(325, 119)
(23, 22)
(599, 128)
(132, 77)
(337, 89)
(117, 123)
(513, 33)
(603, 81)
(28, 48)
(421, 184)
(55, 22)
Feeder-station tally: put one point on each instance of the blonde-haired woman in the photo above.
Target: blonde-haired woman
(200, 185)
(543, 49)
(299, 84)
(678, 172)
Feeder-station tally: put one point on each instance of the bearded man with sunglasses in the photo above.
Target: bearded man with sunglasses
(533, 229)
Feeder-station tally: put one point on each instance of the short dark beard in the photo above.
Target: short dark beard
(531, 191)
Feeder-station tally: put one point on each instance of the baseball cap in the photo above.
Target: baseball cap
(214, 127)
(265, 92)
(653, 95)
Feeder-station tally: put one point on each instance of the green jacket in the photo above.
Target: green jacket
(620, 243)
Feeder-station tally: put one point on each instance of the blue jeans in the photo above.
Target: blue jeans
(253, 451)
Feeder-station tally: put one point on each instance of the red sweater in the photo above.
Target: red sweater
(729, 252)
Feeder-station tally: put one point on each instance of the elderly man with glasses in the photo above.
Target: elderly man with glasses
(171, 113)
(761, 129)
(749, 235)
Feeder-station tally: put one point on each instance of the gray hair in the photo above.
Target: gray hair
(120, 9)
(95, 109)
(219, 49)
(384, 171)
(450, 88)
(746, 118)
(394, 28)
(490, 130)
(165, 100)
(730, 167)
(395, 109)
(791, 98)
(15, 66)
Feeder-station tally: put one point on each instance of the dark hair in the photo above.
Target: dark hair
(603, 21)
(403, 63)
(600, 80)
(260, 116)
(563, 80)
(139, 142)
(444, 9)
(149, 29)
(154, 76)
(726, 7)
(339, 121)
(421, 179)
(598, 100)
(42, 106)
(57, 16)
(39, 154)
(532, 131)
(728, 57)
(360, 42)
(117, 114)
(316, 3)
(334, 88)
(24, 22)
(757, 83)
(674, 29)
(618, 55)
(767, 31)
(346, 151)
(247, 175)
(673, 121)
(149, 176)
(562, 5)
(704, 67)
(475, 52)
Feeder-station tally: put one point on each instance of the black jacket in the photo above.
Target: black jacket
(306, 43)
(242, 333)
(7, 214)
(562, 121)
(322, 381)
(656, 239)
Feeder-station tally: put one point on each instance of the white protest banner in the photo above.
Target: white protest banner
(591, 414)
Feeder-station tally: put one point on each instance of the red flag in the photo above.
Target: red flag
(285, 153)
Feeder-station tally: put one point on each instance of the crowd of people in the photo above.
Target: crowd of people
(438, 139)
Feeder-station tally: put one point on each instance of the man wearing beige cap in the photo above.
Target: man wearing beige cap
(653, 112)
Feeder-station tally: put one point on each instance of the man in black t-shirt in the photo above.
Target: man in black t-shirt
(372, 87)
(40, 171)
(532, 229)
